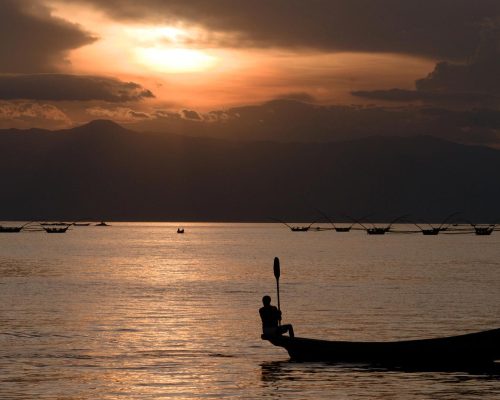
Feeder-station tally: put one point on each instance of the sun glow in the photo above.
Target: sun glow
(177, 60)
(158, 33)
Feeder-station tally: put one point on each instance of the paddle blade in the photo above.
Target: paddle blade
(276, 267)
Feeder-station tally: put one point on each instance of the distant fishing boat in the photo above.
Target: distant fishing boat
(180, 230)
(431, 232)
(295, 228)
(383, 230)
(335, 227)
(13, 229)
(469, 349)
(81, 223)
(56, 229)
(102, 223)
(484, 230)
(377, 230)
(10, 229)
(300, 228)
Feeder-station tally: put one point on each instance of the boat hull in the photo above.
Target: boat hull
(10, 229)
(469, 349)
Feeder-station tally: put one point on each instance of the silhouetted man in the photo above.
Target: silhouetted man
(271, 318)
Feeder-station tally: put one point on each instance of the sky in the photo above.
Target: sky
(260, 69)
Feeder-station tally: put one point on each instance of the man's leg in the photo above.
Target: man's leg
(287, 328)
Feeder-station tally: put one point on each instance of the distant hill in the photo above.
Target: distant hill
(104, 171)
(286, 120)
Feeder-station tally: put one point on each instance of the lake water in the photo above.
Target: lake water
(137, 311)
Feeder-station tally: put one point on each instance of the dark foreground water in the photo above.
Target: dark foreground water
(136, 311)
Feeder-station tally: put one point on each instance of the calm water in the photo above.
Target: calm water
(136, 311)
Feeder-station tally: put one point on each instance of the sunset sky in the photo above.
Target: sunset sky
(159, 64)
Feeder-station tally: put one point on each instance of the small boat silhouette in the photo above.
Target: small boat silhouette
(435, 230)
(335, 227)
(466, 350)
(484, 230)
(56, 229)
(432, 231)
(300, 228)
(102, 223)
(10, 229)
(377, 230)
(295, 228)
(13, 229)
(180, 230)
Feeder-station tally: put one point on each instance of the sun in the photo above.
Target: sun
(175, 60)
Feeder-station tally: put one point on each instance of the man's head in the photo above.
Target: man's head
(266, 300)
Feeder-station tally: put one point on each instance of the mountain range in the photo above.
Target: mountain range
(103, 171)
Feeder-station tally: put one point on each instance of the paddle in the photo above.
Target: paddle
(277, 276)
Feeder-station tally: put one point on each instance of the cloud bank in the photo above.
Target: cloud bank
(474, 82)
(438, 29)
(64, 87)
(29, 114)
(295, 121)
(119, 114)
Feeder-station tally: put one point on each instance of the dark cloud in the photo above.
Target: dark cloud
(299, 96)
(480, 75)
(403, 95)
(63, 87)
(438, 28)
(33, 40)
(190, 114)
(139, 115)
(474, 82)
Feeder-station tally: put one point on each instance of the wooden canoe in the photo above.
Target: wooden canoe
(469, 349)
